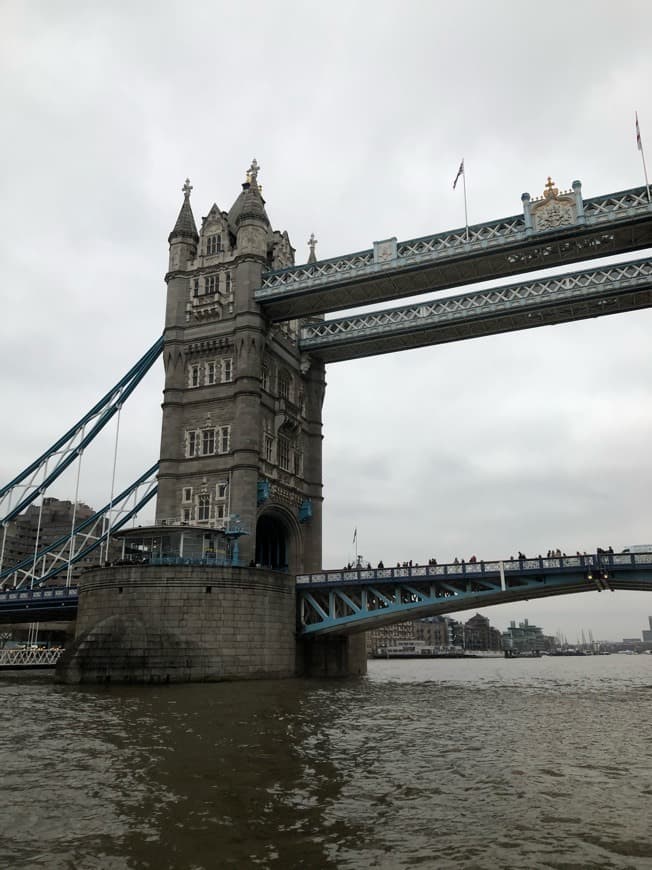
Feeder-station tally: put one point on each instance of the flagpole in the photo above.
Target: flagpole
(639, 142)
(466, 213)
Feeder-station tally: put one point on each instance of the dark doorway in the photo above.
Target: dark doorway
(271, 544)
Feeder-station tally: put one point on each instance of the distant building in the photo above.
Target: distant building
(439, 632)
(26, 534)
(647, 634)
(523, 637)
(479, 635)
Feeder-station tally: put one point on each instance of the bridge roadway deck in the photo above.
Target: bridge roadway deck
(615, 223)
(51, 604)
(559, 299)
(344, 602)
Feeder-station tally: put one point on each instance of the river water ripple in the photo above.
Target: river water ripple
(484, 763)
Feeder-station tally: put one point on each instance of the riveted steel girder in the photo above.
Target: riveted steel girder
(612, 224)
(562, 298)
(345, 602)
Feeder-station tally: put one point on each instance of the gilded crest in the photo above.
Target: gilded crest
(554, 208)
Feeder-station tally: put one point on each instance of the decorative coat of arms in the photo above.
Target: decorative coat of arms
(554, 209)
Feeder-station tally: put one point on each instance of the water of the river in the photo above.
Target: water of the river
(530, 763)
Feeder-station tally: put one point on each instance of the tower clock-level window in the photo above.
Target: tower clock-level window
(268, 447)
(284, 453)
(224, 434)
(227, 370)
(213, 244)
(207, 441)
(284, 385)
(204, 507)
(211, 372)
(298, 463)
(193, 375)
(212, 284)
(229, 282)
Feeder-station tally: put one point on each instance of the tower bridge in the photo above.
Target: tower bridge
(244, 348)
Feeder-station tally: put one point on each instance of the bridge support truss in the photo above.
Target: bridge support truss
(342, 602)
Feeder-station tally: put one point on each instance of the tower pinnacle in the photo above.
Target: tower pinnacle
(312, 241)
(252, 172)
(185, 227)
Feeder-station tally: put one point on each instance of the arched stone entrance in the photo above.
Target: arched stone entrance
(273, 543)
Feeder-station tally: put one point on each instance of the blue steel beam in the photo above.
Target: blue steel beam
(65, 451)
(55, 604)
(92, 533)
(602, 226)
(343, 602)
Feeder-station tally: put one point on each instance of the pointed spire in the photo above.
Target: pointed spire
(185, 227)
(312, 241)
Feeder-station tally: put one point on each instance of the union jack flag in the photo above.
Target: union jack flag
(460, 171)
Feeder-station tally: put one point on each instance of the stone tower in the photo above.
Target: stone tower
(242, 434)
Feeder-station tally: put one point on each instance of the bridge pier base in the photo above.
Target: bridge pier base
(333, 655)
(182, 623)
(195, 623)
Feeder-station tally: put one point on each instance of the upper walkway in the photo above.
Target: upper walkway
(562, 298)
(556, 229)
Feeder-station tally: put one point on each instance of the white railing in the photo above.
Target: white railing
(29, 657)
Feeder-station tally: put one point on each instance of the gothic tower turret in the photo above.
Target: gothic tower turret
(241, 434)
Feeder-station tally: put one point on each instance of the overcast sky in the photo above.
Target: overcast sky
(359, 114)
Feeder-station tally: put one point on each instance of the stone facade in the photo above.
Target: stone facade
(242, 430)
(192, 623)
(146, 624)
(241, 446)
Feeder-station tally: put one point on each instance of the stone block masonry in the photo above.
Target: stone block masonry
(160, 624)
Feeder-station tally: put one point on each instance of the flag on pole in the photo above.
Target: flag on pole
(460, 171)
(355, 535)
(639, 145)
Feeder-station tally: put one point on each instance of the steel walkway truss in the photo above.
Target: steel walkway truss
(41, 657)
(602, 226)
(87, 537)
(34, 480)
(572, 296)
(343, 602)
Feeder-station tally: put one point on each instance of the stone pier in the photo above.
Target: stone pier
(195, 623)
